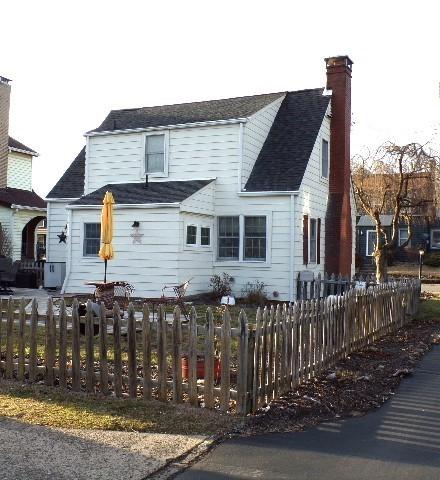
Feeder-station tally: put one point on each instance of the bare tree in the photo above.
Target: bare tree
(395, 180)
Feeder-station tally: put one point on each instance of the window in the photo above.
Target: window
(371, 242)
(435, 239)
(242, 238)
(205, 236)
(313, 241)
(324, 159)
(191, 235)
(403, 235)
(228, 238)
(92, 239)
(155, 154)
(254, 238)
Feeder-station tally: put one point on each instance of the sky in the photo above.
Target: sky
(72, 62)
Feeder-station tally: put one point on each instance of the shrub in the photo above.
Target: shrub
(432, 259)
(254, 293)
(221, 285)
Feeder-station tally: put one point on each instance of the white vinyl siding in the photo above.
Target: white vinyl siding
(19, 171)
(56, 251)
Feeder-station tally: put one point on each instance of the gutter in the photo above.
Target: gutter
(26, 152)
(23, 207)
(125, 205)
(209, 123)
(270, 193)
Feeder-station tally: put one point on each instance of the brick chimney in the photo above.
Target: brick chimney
(338, 225)
(5, 92)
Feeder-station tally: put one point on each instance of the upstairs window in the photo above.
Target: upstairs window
(228, 238)
(324, 159)
(92, 239)
(154, 154)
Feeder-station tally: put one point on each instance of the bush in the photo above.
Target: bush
(221, 285)
(255, 293)
(432, 259)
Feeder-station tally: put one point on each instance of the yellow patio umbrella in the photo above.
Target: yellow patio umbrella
(106, 252)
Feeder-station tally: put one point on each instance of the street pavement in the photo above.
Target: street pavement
(400, 441)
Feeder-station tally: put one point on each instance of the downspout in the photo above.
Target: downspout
(292, 249)
(47, 232)
(69, 255)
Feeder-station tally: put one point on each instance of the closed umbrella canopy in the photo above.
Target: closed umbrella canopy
(106, 252)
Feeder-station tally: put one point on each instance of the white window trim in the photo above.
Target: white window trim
(324, 179)
(87, 258)
(316, 240)
(430, 238)
(198, 245)
(226, 263)
(367, 242)
(191, 245)
(404, 228)
(163, 174)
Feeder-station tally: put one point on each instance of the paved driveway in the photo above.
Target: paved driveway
(399, 441)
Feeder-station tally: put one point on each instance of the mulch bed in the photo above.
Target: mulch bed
(354, 386)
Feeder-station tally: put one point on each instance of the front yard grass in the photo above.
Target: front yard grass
(52, 407)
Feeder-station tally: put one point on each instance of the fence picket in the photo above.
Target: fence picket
(90, 352)
(242, 364)
(225, 382)
(209, 360)
(103, 347)
(177, 357)
(146, 352)
(192, 358)
(131, 351)
(62, 358)
(162, 354)
(50, 343)
(76, 346)
(21, 325)
(117, 378)
(33, 342)
(257, 353)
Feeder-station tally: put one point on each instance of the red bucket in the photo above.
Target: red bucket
(200, 367)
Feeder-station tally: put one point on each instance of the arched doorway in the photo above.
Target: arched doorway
(31, 246)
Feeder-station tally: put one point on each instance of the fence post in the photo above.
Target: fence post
(117, 378)
(50, 343)
(225, 361)
(33, 342)
(22, 321)
(177, 356)
(103, 347)
(62, 359)
(146, 352)
(131, 340)
(162, 354)
(90, 353)
(209, 360)
(76, 369)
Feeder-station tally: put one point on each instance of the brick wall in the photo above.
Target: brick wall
(5, 90)
(339, 230)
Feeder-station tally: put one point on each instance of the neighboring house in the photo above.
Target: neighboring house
(21, 209)
(255, 186)
(426, 235)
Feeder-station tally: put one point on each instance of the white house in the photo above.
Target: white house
(22, 211)
(246, 186)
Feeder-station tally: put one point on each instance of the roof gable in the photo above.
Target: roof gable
(16, 145)
(212, 110)
(283, 159)
(71, 184)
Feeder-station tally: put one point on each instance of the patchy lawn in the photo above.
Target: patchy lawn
(412, 270)
(41, 405)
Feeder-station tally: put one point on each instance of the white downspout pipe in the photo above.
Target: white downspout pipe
(292, 249)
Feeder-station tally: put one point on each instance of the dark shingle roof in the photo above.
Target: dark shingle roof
(284, 156)
(136, 193)
(15, 196)
(71, 184)
(211, 110)
(12, 143)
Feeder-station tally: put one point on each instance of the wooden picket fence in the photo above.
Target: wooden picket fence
(142, 357)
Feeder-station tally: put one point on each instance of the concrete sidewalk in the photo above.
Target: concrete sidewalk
(399, 441)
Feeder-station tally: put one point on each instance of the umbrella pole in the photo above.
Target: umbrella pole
(105, 271)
